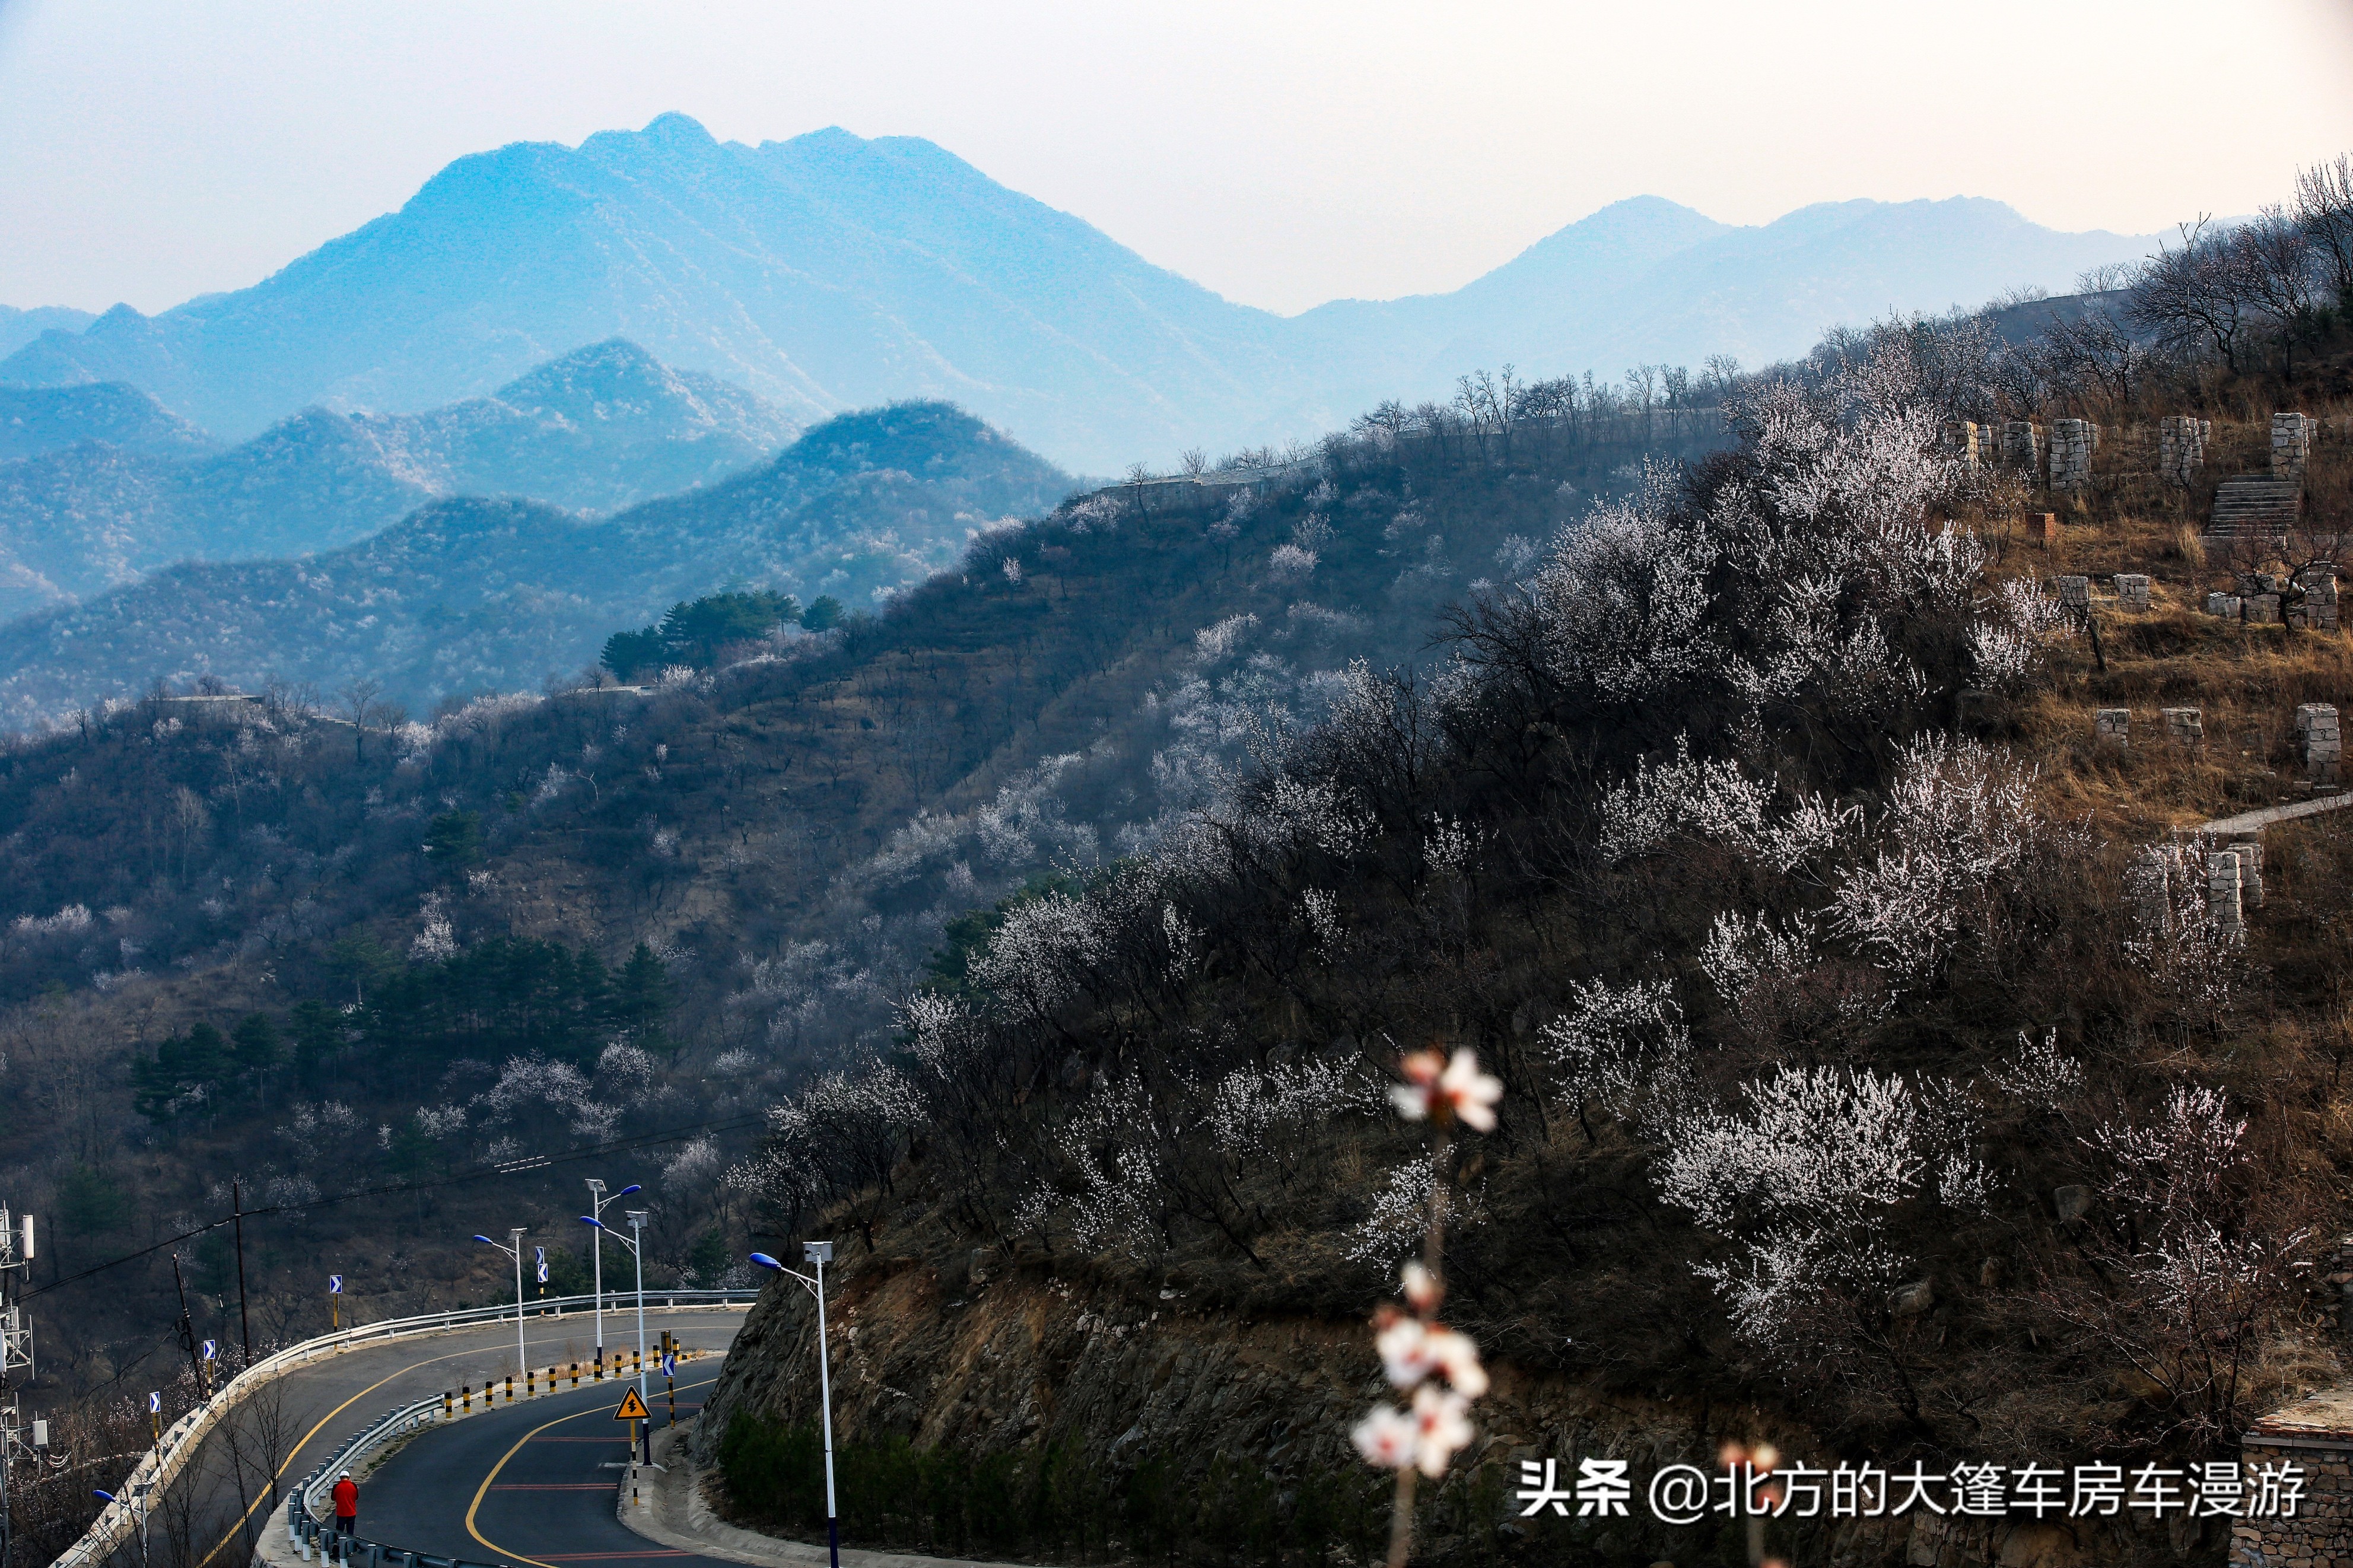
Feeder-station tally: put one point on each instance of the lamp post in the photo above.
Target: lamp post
(137, 1510)
(818, 1254)
(522, 1365)
(596, 1202)
(635, 1242)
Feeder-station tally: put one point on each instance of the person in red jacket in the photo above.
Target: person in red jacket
(347, 1505)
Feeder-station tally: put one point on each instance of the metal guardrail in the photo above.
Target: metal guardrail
(305, 1527)
(159, 1467)
(303, 1524)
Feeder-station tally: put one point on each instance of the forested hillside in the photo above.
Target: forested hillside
(1891, 1066)
(437, 926)
(472, 595)
(1890, 1061)
(109, 487)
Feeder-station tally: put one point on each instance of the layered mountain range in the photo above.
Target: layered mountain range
(106, 485)
(18, 328)
(830, 272)
(475, 594)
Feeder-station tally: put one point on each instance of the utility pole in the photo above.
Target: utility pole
(244, 1322)
(188, 1332)
(16, 1354)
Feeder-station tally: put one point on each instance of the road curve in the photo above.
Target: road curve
(332, 1399)
(534, 1484)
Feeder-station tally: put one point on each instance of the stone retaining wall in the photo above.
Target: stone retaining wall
(2315, 1435)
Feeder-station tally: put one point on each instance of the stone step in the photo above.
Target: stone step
(2247, 501)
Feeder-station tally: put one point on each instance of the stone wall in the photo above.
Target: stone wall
(1969, 442)
(2318, 610)
(2021, 446)
(2073, 442)
(2225, 901)
(2180, 447)
(2321, 742)
(2314, 1437)
(2291, 444)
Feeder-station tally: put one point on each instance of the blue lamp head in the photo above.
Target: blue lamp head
(486, 1241)
(764, 1261)
(625, 1191)
(102, 1494)
(592, 1219)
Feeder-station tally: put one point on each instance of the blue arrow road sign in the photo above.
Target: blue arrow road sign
(670, 1363)
(155, 1405)
(334, 1284)
(212, 1351)
(541, 1254)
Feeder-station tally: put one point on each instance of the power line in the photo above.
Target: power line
(501, 1168)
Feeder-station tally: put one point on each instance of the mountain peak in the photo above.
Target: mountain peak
(666, 136)
(613, 362)
(38, 419)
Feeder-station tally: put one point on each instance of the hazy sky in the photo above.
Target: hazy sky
(1282, 152)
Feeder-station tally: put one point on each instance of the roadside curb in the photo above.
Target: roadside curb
(674, 1513)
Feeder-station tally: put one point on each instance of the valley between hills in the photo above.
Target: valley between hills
(1732, 883)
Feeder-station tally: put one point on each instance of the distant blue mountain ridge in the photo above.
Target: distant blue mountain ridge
(472, 592)
(830, 272)
(18, 328)
(99, 485)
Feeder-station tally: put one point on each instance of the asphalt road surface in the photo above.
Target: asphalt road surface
(329, 1400)
(531, 1485)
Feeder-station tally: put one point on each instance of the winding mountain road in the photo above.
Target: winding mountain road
(532, 1485)
(328, 1401)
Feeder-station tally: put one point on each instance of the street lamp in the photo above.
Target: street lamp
(138, 1506)
(818, 1254)
(636, 1242)
(523, 1366)
(596, 1202)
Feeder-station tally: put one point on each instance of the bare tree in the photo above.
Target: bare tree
(2107, 277)
(178, 1514)
(2095, 349)
(2281, 276)
(1718, 374)
(2195, 293)
(2324, 208)
(260, 1436)
(358, 700)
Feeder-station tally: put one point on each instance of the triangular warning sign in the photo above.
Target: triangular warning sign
(632, 1408)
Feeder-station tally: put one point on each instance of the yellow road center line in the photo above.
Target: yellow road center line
(296, 1452)
(483, 1491)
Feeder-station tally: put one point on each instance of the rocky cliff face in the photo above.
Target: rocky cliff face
(985, 1358)
(990, 1357)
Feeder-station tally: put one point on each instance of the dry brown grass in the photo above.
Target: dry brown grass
(2246, 679)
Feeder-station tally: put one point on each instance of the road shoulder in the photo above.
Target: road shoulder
(676, 1514)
